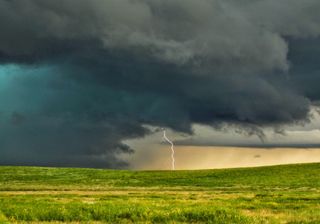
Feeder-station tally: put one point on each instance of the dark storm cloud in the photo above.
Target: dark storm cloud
(261, 145)
(93, 72)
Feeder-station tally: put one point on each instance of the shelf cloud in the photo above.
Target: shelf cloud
(78, 77)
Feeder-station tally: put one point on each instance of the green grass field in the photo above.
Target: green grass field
(277, 194)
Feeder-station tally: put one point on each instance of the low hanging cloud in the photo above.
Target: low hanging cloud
(79, 77)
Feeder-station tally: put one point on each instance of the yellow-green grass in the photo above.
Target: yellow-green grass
(277, 194)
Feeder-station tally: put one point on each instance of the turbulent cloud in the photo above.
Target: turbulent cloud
(79, 77)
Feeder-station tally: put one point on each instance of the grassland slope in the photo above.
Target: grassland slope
(275, 194)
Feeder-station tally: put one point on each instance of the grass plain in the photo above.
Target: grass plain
(275, 194)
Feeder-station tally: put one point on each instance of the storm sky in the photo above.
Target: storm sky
(79, 79)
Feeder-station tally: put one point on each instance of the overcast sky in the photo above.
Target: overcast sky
(80, 80)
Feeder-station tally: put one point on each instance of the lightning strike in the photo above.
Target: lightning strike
(172, 149)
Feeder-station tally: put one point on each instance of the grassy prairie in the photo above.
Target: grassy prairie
(277, 194)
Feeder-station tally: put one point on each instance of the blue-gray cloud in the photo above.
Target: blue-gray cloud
(85, 75)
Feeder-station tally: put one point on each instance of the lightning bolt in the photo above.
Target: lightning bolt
(172, 149)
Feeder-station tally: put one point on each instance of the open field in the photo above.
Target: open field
(277, 194)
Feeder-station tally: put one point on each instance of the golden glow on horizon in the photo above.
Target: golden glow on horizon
(194, 157)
